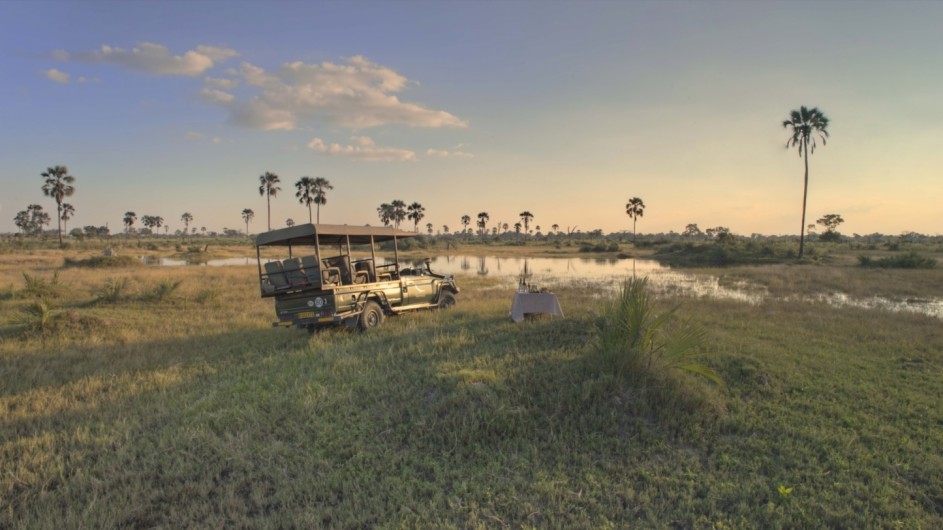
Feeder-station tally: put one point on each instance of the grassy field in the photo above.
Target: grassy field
(146, 396)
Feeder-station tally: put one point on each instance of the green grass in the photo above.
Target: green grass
(192, 411)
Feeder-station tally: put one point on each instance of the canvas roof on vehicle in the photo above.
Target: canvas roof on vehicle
(304, 234)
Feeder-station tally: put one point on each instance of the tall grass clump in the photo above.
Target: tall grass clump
(39, 287)
(910, 260)
(639, 340)
(113, 290)
(36, 317)
(163, 290)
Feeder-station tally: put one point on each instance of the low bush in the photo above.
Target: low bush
(103, 262)
(910, 260)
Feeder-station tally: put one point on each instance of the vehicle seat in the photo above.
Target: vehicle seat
(366, 268)
(275, 275)
(312, 271)
(292, 270)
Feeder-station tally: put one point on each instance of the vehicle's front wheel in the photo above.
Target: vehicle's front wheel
(446, 300)
(371, 317)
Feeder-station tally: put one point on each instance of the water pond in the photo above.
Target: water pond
(607, 275)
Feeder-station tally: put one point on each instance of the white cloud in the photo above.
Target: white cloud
(356, 95)
(193, 135)
(154, 58)
(363, 148)
(212, 95)
(57, 76)
(441, 153)
(218, 82)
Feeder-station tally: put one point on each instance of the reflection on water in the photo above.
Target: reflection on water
(602, 274)
(606, 275)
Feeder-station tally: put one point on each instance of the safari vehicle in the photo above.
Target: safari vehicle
(316, 282)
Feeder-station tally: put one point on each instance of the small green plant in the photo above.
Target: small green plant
(164, 289)
(39, 287)
(639, 338)
(36, 317)
(209, 296)
(113, 290)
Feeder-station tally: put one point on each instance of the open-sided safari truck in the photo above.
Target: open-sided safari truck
(316, 282)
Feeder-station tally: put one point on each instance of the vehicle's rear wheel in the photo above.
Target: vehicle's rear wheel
(371, 317)
(446, 300)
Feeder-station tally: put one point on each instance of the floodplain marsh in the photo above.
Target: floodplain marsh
(150, 396)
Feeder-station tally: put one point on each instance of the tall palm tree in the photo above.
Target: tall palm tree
(635, 208)
(269, 188)
(247, 216)
(68, 211)
(466, 220)
(556, 227)
(321, 185)
(526, 218)
(483, 218)
(289, 222)
(58, 185)
(399, 212)
(429, 227)
(305, 194)
(187, 218)
(806, 125)
(385, 212)
(129, 219)
(416, 213)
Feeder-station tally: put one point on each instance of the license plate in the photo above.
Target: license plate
(306, 314)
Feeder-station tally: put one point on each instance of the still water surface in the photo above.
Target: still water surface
(608, 274)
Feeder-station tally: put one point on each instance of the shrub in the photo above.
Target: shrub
(910, 260)
(35, 318)
(636, 338)
(163, 290)
(39, 287)
(113, 290)
(103, 262)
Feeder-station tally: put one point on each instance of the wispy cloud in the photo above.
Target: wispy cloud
(213, 95)
(153, 58)
(358, 94)
(218, 82)
(57, 76)
(441, 153)
(363, 148)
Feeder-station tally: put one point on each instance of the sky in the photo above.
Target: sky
(563, 109)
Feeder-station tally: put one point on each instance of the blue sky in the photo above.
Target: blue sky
(564, 109)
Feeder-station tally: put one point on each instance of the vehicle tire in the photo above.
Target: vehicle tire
(372, 316)
(446, 300)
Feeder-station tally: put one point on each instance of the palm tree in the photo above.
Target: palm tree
(58, 185)
(247, 216)
(525, 218)
(385, 211)
(517, 227)
(313, 190)
(635, 208)
(429, 228)
(268, 188)
(466, 220)
(399, 212)
(158, 222)
(483, 218)
(187, 218)
(289, 222)
(305, 193)
(321, 185)
(129, 219)
(806, 125)
(556, 227)
(445, 229)
(416, 213)
(68, 211)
